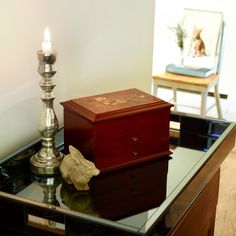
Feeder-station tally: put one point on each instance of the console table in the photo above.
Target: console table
(174, 195)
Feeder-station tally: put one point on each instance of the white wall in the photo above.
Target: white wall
(102, 46)
(169, 11)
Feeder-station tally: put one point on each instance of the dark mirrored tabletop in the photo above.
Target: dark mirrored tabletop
(128, 201)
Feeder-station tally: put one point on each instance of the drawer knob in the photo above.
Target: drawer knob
(135, 153)
(135, 139)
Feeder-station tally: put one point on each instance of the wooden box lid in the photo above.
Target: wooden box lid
(114, 104)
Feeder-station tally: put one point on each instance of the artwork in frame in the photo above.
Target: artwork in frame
(203, 32)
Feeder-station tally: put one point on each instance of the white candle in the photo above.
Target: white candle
(46, 44)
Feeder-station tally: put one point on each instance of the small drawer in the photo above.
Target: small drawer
(131, 154)
(126, 125)
(145, 137)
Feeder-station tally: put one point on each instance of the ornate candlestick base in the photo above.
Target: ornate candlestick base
(46, 164)
(48, 159)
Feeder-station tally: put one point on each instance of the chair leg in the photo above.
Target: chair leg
(203, 103)
(175, 98)
(218, 105)
(154, 89)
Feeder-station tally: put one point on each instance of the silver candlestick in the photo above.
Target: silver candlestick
(48, 159)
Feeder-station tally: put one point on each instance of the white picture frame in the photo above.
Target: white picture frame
(209, 26)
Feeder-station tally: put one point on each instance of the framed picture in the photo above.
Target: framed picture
(203, 38)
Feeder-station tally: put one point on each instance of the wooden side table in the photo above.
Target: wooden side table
(188, 83)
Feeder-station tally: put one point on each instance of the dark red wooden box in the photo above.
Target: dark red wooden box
(118, 129)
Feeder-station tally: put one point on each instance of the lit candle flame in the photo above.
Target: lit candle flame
(46, 44)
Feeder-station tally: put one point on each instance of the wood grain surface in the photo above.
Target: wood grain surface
(225, 224)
